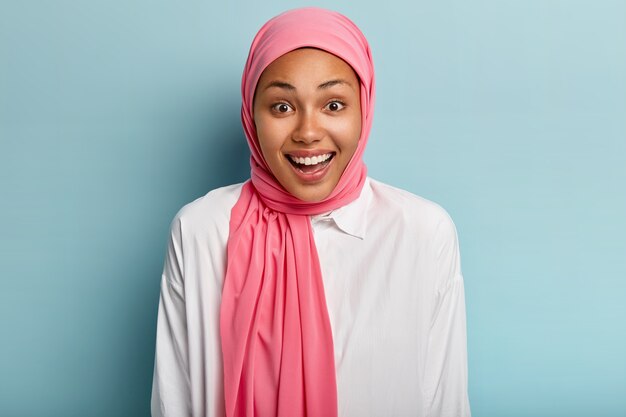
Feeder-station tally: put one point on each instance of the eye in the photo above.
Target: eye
(335, 105)
(281, 108)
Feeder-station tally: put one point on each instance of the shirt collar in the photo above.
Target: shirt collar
(351, 218)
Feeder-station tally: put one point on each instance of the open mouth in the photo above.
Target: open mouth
(310, 165)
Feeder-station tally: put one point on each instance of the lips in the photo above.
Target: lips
(310, 166)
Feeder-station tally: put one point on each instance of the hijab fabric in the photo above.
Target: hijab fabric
(276, 337)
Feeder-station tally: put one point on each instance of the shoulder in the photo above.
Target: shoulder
(210, 211)
(410, 211)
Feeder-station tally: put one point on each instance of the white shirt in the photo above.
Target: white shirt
(391, 270)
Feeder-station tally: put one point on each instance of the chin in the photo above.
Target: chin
(311, 196)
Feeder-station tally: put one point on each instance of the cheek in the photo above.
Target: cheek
(271, 136)
(266, 134)
(349, 132)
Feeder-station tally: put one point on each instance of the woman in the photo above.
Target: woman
(312, 289)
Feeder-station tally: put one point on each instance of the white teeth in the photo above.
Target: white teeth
(314, 160)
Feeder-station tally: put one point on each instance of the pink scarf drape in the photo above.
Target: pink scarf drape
(276, 337)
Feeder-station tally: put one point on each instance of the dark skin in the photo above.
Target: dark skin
(307, 104)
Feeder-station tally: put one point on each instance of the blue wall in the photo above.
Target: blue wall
(510, 114)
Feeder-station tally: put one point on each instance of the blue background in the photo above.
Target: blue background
(510, 114)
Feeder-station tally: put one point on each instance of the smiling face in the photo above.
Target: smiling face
(308, 120)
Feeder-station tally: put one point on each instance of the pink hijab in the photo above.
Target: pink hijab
(276, 337)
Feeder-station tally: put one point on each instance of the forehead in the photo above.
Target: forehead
(308, 65)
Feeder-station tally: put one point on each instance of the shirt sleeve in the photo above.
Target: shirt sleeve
(446, 363)
(171, 395)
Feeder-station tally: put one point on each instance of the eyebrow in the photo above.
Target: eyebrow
(323, 86)
(333, 83)
(280, 84)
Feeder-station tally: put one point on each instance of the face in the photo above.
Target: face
(307, 113)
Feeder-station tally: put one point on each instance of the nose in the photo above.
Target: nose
(308, 129)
